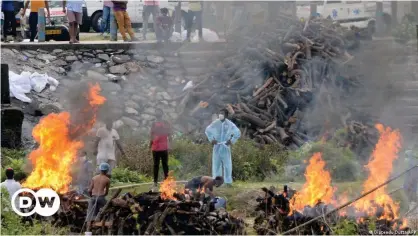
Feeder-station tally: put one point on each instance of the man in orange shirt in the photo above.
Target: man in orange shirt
(33, 16)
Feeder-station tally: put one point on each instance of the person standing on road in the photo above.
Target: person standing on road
(164, 27)
(222, 133)
(33, 16)
(107, 140)
(150, 7)
(105, 25)
(159, 144)
(75, 17)
(124, 22)
(195, 10)
(8, 9)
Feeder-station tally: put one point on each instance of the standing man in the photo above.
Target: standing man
(85, 174)
(124, 22)
(195, 10)
(222, 133)
(150, 7)
(239, 17)
(8, 9)
(98, 190)
(107, 139)
(105, 26)
(75, 17)
(159, 144)
(164, 27)
(11, 185)
(33, 16)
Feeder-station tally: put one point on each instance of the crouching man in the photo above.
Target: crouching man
(98, 190)
(204, 183)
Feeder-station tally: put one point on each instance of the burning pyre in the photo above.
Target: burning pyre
(57, 151)
(154, 213)
(317, 196)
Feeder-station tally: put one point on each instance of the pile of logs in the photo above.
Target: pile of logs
(154, 216)
(188, 217)
(271, 78)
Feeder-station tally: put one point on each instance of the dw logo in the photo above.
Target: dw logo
(47, 202)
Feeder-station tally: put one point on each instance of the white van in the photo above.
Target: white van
(95, 11)
(357, 13)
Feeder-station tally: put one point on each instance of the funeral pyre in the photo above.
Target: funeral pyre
(281, 212)
(58, 136)
(168, 212)
(272, 75)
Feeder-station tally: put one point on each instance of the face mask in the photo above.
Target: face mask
(221, 116)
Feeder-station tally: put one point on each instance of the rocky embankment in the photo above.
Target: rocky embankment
(135, 82)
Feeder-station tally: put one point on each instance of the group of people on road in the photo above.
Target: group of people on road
(112, 11)
(162, 21)
(72, 8)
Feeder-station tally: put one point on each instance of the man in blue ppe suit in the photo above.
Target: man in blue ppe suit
(222, 133)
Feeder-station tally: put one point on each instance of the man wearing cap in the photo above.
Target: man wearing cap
(10, 184)
(98, 190)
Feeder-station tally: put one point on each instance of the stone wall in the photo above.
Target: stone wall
(134, 81)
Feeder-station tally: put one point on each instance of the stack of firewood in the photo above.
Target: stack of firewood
(189, 217)
(272, 77)
(154, 215)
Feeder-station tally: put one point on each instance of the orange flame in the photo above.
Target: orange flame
(57, 152)
(168, 187)
(317, 187)
(380, 167)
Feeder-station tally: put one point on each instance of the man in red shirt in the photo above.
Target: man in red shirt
(159, 144)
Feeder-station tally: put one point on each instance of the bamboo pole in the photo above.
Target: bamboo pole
(350, 202)
(141, 184)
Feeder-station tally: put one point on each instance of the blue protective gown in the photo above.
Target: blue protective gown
(222, 132)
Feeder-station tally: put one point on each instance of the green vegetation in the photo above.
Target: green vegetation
(341, 161)
(14, 159)
(11, 223)
(345, 227)
(189, 159)
(124, 175)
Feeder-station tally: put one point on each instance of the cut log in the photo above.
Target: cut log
(286, 139)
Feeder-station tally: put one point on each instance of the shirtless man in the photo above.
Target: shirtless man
(98, 190)
(204, 182)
